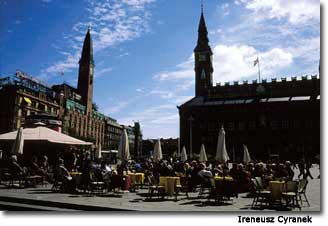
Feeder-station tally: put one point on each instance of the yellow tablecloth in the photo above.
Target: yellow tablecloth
(223, 178)
(137, 178)
(276, 188)
(75, 173)
(77, 177)
(169, 184)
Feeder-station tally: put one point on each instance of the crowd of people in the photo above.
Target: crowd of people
(196, 172)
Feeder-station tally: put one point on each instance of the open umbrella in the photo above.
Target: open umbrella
(42, 133)
(247, 157)
(123, 148)
(17, 148)
(202, 154)
(221, 151)
(98, 152)
(184, 154)
(158, 151)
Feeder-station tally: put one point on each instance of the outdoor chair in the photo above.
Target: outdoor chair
(155, 187)
(182, 187)
(57, 184)
(96, 186)
(261, 196)
(302, 191)
(222, 191)
(290, 194)
(260, 183)
(206, 186)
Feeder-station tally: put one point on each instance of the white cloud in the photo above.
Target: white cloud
(297, 12)
(231, 63)
(184, 71)
(236, 62)
(307, 49)
(66, 65)
(163, 94)
(225, 9)
(116, 108)
(113, 22)
(178, 100)
(138, 4)
(101, 72)
(155, 120)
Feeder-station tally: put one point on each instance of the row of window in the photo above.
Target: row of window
(114, 130)
(250, 125)
(38, 106)
(82, 125)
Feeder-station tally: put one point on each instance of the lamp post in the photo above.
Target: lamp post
(190, 119)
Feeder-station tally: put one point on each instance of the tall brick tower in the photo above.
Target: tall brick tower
(203, 60)
(85, 82)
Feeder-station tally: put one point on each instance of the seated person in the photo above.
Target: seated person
(64, 175)
(15, 169)
(234, 171)
(206, 176)
(34, 168)
(289, 170)
(243, 179)
(218, 171)
(281, 172)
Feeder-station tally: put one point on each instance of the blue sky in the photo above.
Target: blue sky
(143, 48)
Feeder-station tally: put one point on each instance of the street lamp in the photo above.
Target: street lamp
(190, 119)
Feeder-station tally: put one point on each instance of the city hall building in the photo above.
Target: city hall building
(279, 118)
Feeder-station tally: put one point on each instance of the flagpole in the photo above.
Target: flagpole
(258, 64)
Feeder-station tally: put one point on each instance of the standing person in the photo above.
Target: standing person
(308, 167)
(289, 170)
(86, 169)
(301, 167)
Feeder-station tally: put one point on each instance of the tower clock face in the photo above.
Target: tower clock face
(202, 57)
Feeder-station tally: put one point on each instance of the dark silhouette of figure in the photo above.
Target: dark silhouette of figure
(301, 167)
(308, 167)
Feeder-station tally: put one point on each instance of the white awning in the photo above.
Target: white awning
(300, 98)
(42, 133)
(278, 99)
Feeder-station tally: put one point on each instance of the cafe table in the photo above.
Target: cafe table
(276, 187)
(224, 186)
(218, 178)
(137, 178)
(121, 181)
(169, 184)
(77, 177)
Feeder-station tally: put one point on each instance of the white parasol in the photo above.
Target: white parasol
(158, 151)
(221, 151)
(123, 148)
(247, 157)
(184, 154)
(202, 154)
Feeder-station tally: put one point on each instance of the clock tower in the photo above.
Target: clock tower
(85, 82)
(203, 60)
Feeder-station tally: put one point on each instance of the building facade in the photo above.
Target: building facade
(24, 97)
(277, 117)
(113, 132)
(63, 107)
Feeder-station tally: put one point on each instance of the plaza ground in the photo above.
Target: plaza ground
(42, 198)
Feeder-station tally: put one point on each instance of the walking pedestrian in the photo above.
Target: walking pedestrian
(308, 167)
(301, 167)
